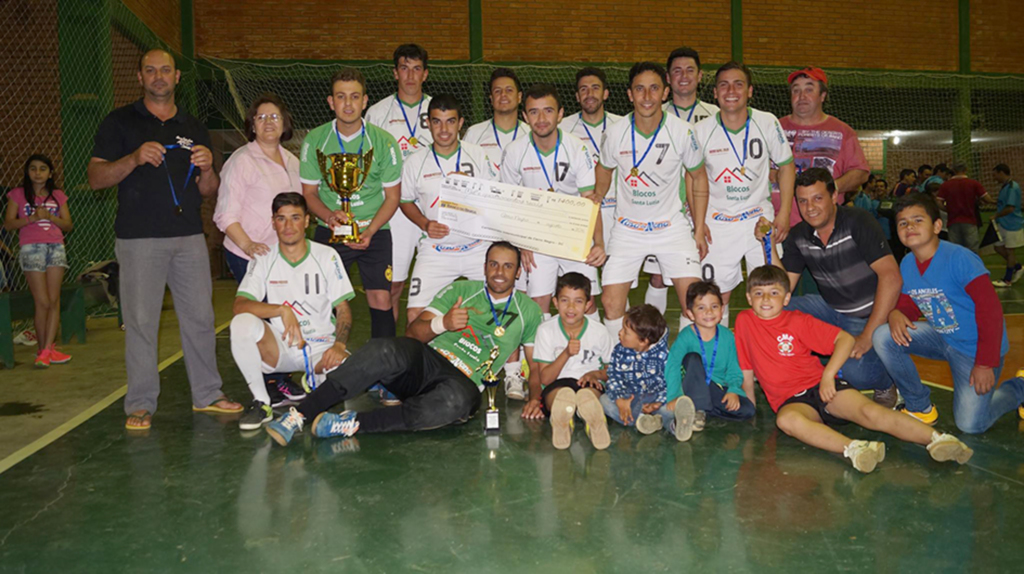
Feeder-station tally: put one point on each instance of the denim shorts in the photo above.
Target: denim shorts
(40, 256)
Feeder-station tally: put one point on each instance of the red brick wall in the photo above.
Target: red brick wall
(604, 30)
(329, 30)
(163, 17)
(996, 41)
(903, 35)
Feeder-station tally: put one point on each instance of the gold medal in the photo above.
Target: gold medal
(414, 141)
(634, 172)
(743, 170)
(551, 189)
(499, 331)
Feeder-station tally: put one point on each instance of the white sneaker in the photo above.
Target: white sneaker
(1000, 283)
(945, 447)
(26, 337)
(515, 387)
(1017, 274)
(648, 424)
(865, 455)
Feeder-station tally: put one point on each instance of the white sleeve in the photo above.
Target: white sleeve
(410, 174)
(693, 155)
(254, 284)
(339, 288)
(778, 147)
(584, 169)
(509, 172)
(607, 153)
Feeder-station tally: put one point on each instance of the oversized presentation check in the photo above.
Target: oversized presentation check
(545, 222)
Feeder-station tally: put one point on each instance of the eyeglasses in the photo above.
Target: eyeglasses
(268, 118)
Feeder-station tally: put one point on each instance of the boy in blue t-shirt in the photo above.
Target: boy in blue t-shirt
(947, 310)
(706, 350)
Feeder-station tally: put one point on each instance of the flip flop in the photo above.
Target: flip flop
(147, 421)
(213, 408)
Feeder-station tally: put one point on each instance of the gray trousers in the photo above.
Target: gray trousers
(148, 266)
(965, 234)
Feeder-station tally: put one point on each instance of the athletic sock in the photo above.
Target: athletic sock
(613, 326)
(382, 323)
(246, 331)
(725, 315)
(657, 296)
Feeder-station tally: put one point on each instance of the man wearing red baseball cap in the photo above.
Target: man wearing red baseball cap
(820, 140)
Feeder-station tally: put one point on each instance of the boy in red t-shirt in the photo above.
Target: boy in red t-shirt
(776, 346)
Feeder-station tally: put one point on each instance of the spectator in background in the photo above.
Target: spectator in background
(881, 188)
(941, 175)
(820, 140)
(250, 180)
(39, 212)
(924, 171)
(1009, 224)
(960, 196)
(906, 183)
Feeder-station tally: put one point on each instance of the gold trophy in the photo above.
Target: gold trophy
(344, 174)
(490, 380)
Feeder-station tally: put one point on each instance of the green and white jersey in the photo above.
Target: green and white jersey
(385, 171)
(415, 123)
(423, 173)
(654, 198)
(572, 175)
(311, 287)
(493, 139)
(590, 134)
(737, 179)
(471, 347)
(693, 114)
(595, 347)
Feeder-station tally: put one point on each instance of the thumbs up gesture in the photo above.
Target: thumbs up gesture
(574, 346)
(456, 318)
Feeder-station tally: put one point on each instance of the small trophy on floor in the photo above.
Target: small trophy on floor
(490, 380)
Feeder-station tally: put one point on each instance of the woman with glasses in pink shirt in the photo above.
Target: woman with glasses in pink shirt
(251, 178)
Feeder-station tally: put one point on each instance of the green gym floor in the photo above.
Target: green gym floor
(196, 495)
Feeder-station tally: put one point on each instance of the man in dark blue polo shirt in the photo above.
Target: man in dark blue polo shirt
(158, 157)
(858, 279)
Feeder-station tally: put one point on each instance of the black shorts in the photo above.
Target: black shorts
(374, 263)
(812, 398)
(558, 384)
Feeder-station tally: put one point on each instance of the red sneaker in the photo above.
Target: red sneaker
(56, 357)
(43, 359)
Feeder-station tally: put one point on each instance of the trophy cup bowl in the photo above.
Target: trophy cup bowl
(344, 174)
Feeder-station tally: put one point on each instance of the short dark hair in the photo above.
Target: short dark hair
(509, 246)
(942, 168)
(444, 103)
(646, 321)
(734, 65)
(813, 175)
(348, 75)
(767, 275)
(268, 98)
(641, 67)
(683, 52)
(1002, 168)
(143, 55)
(538, 91)
(918, 199)
(411, 52)
(573, 280)
(923, 167)
(288, 198)
(591, 71)
(699, 289)
(905, 172)
(883, 180)
(499, 73)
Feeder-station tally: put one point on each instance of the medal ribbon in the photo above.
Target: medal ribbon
(494, 312)
(458, 160)
(709, 367)
(604, 126)
(494, 128)
(746, 135)
(693, 108)
(362, 140)
(310, 376)
(412, 127)
(540, 159)
(632, 122)
(188, 178)
(767, 241)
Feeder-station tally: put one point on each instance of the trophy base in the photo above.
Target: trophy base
(344, 234)
(491, 421)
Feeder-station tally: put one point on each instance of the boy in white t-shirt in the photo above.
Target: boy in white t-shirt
(572, 351)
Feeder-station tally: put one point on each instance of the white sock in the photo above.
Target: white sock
(657, 296)
(246, 331)
(613, 326)
(684, 322)
(595, 317)
(513, 368)
(725, 315)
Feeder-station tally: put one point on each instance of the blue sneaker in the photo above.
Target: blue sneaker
(388, 399)
(285, 427)
(329, 424)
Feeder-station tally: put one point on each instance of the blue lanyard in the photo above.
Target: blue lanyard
(604, 126)
(458, 160)
(310, 376)
(632, 122)
(709, 367)
(188, 178)
(540, 159)
(362, 139)
(412, 127)
(746, 135)
(494, 128)
(689, 116)
(767, 241)
(494, 312)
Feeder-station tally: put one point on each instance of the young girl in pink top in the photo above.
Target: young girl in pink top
(39, 211)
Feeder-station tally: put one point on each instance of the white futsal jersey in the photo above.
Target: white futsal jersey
(414, 124)
(568, 168)
(422, 174)
(737, 176)
(494, 141)
(693, 114)
(652, 199)
(589, 134)
(311, 288)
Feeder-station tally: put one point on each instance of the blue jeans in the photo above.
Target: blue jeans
(237, 265)
(612, 410)
(972, 413)
(866, 373)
